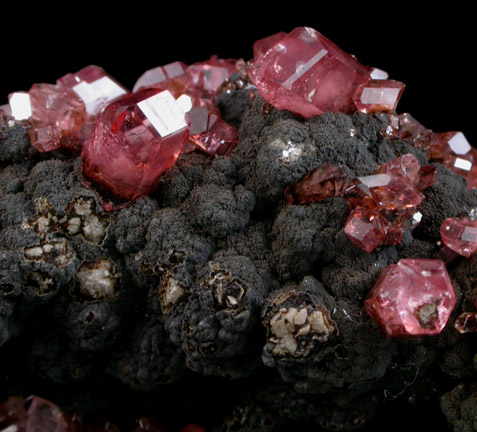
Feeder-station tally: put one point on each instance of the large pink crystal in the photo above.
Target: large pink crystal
(412, 298)
(261, 46)
(308, 74)
(58, 114)
(135, 140)
(460, 235)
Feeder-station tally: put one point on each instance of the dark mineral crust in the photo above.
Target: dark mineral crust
(218, 300)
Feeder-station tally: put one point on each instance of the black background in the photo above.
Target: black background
(431, 49)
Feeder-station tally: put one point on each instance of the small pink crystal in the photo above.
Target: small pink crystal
(135, 140)
(207, 76)
(159, 74)
(58, 115)
(427, 177)
(308, 74)
(460, 235)
(44, 416)
(261, 46)
(321, 183)
(365, 229)
(378, 95)
(412, 298)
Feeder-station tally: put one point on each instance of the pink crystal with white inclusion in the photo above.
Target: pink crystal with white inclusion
(460, 235)
(412, 298)
(308, 74)
(135, 140)
(378, 95)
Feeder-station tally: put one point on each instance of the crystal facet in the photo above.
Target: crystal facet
(466, 322)
(20, 105)
(135, 140)
(414, 297)
(460, 235)
(261, 46)
(308, 74)
(365, 229)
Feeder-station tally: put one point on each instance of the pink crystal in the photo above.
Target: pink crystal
(94, 86)
(378, 95)
(261, 46)
(307, 74)
(159, 74)
(321, 183)
(135, 140)
(412, 298)
(365, 229)
(207, 76)
(58, 115)
(389, 192)
(466, 322)
(406, 166)
(460, 235)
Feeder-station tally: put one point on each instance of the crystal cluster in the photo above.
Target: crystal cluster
(414, 297)
(383, 206)
(449, 148)
(307, 74)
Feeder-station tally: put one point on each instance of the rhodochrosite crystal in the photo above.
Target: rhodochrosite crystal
(58, 114)
(460, 235)
(135, 140)
(307, 74)
(160, 74)
(414, 297)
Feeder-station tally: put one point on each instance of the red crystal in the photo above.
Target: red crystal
(192, 427)
(427, 177)
(466, 322)
(58, 115)
(412, 298)
(365, 229)
(460, 235)
(321, 183)
(378, 95)
(406, 166)
(261, 46)
(159, 74)
(307, 74)
(135, 140)
(44, 416)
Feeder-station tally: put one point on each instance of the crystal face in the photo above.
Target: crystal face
(460, 235)
(135, 140)
(308, 74)
(20, 105)
(412, 298)
(261, 46)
